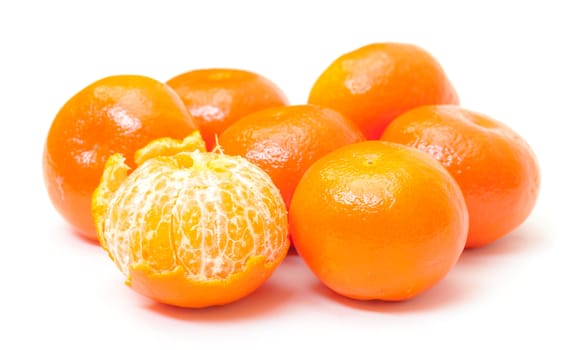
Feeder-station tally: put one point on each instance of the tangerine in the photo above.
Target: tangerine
(495, 167)
(217, 97)
(190, 228)
(378, 220)
(114, 114)
(375, 83)
(285, 141)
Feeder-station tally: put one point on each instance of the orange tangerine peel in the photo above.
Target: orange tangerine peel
(188, 227)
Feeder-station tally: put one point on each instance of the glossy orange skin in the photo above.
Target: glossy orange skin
(496, 169)
(285, 141)
(375, 83)
(117, 114)
(218, 97)
(377, 220)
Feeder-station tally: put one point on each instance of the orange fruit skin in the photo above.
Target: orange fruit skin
(377, 220)
(174, 288)
(375, 83)
(115, 114)
(218, 97)
(496, 169)
(285, 141)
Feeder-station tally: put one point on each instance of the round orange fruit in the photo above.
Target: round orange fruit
(217, 97)
(191, 228)
(117, 114)
(375, 83)
(496, 168)
(285, 141)
(378, 220)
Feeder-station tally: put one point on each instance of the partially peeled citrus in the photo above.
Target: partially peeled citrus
(188, 227)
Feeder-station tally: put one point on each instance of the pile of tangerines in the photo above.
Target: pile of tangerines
(198, 187)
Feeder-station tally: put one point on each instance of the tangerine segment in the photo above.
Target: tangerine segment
(192, 229)
(375, 220)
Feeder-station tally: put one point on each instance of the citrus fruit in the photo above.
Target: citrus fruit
(375, 83)
(377, 220)
(190, 228)
(117, 114)
(285, 141)
(496, 168)
(217, 97)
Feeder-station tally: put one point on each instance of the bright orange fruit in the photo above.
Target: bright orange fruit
(218, 97)
(191, 228)
(115, 114)
(496, 169)
(377, 220)
(375, 83)
(285, 141)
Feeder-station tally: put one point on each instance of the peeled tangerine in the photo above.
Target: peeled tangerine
(188, 227)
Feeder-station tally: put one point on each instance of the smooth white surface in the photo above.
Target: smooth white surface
(511, 60)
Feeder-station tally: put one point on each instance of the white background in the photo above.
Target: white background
(511, 60)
